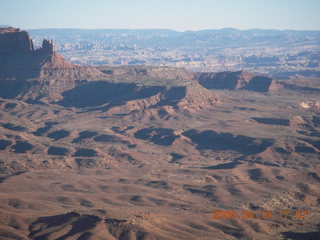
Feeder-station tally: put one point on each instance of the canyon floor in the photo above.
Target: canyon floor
(138, 167)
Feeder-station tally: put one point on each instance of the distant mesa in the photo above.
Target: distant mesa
(238, 80)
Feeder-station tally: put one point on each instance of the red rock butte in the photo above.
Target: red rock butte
(15, 41)
(20, 60)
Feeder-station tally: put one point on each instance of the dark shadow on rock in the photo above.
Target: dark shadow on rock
(85, 236)
(212, 140)
(158, 184)
(223, 80)
(176, 157)
(42, 130)
(52, 221)
(259, 84)
(95, 94)
(4, 144)
(10, 106)
(85, 152)
(257, 175)
(60, 151)
(314, 176)
(316, 121)
(314, 143)
(107, 138)
(5, 174)
(301, 88)
(229, 165)
(118, 129)
(40, 229)
(203, 192)
(86, 203)
(160, 136)
(84, 135)
(304, 149)
(11, 89)
(13, 127)
(273, 121)
(281, 150)
(235, 80)
(299, 236)
(56, 135)
(172, 96)
(22, 147)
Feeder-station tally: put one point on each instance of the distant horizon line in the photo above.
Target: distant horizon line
(174, 30)
(155, 29)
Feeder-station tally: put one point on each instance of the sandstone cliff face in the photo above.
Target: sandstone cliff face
(36, 72)
(15, 41)
(12, 40)
(19, 59)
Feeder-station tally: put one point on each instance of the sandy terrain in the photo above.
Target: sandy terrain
(158, 171)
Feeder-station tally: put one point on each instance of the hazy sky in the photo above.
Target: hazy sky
(173, 14)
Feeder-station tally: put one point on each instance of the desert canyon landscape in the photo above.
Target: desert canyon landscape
(141, 152)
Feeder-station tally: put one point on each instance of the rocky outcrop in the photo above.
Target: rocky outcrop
(47, 46)
(13, 41)
(36, 73)
(238, 80)
(19, 59)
